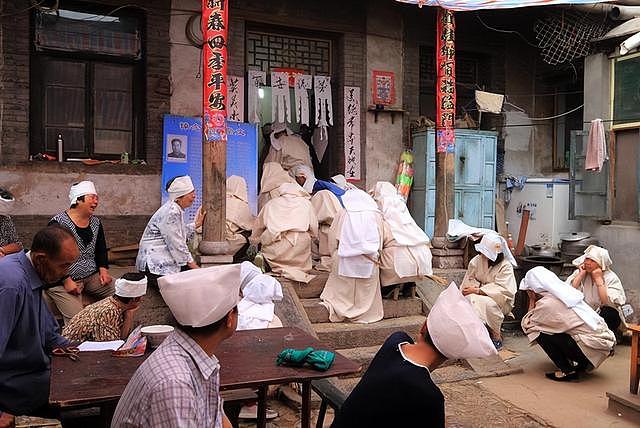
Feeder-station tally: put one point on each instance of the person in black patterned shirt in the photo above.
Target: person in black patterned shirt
(9, 242)
(89, 274)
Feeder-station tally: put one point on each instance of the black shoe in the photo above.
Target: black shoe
(562, 377)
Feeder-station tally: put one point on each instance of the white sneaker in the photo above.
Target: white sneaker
(251, 412)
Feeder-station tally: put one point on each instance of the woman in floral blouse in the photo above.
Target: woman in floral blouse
(163, 246)
(9, 242)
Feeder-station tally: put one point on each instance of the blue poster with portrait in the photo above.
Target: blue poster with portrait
(182, 155)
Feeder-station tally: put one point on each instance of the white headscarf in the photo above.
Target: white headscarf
(81, 189)
(359, 240)
(342, 182)
(276, 128)
(200, 297)
(493, 244)
(307, 173)
(540, 279)
(455, 328)
(6, 203)
(128, 288)
(403, 228)
(180, 186)
(598, 255)
(259, 291)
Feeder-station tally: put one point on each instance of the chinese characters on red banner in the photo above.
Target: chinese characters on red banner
(352, 133)
(446, 82)
(214, 51)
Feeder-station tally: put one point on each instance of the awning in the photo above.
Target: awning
(628, 28)
(462, 5)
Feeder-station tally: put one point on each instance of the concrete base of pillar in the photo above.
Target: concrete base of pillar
(207, 261)
(211, 248)
(446, 255)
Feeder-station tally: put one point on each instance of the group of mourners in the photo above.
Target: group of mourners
(365, 240)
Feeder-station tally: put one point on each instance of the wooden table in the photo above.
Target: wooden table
(634, 376)
(247, 360)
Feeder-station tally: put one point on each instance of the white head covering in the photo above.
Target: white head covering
(540, 279)
(276, 128)
(307, 173)
(248, 271)
(127, 288)
(455, 328)
(81, 189)
(6, 203)
(359, 240)
(180, 186)
(200, 297)
(342, 182)
(597, 254)
(403, 228)
(493, 244)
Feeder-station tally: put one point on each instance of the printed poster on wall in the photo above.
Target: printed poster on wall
(182, 155)
(352, 133)
(384, 90)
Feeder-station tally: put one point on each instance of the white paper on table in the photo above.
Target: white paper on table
(101, 346)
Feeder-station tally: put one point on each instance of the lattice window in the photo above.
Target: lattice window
(270, 50)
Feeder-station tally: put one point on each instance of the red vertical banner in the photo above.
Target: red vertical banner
(445, 82)
(214, 62)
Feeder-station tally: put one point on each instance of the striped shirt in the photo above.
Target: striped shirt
(177, 386)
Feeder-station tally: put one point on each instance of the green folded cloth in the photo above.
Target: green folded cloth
(293, 357)
(320, 359)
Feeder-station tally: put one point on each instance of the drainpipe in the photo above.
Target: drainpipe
(619, 13)
(630, 44)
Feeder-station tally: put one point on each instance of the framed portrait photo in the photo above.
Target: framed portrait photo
(177, 147)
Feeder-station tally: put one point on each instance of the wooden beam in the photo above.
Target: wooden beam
(445, 178)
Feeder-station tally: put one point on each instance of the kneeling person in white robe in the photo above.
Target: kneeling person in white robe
(405, 254)
(285, 227)
(490, 284)
(352, 291)
(570, 332)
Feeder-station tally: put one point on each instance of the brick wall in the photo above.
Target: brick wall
(343, 22)
(14, 77)
(119, 230)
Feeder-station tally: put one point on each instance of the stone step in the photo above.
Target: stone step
(625, 405)
(352, 335)
(312, 289)
(362, 356)
(392, 308)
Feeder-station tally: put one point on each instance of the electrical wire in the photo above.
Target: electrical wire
(558, 115)
(505, 31)
(19, 12)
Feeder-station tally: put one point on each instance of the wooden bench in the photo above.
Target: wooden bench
(330, 395)
(634, 376)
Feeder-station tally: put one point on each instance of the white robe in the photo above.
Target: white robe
(351, 299)
(498, 283)
(326, 206)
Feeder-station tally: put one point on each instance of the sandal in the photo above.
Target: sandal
(559, 376)
(497, 343)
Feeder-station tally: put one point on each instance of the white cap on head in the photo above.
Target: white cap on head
(597, 254)
(128, 288)
(200, 297)
(493, 244)
(307, 173)
(455, 328)
(180, 186)
(81, 189)
(342, 182)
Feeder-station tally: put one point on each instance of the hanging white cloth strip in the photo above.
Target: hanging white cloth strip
(235, 91)
(324, 109)
(303, 82)
(280, 98)
(257, 79)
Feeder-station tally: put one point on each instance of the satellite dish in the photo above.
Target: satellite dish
(193, 30)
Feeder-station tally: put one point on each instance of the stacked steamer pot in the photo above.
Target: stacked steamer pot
(573, 244)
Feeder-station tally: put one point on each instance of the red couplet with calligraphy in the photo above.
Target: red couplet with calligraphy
(446, 82)
(214, 57)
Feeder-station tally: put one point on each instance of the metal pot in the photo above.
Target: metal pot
(539, 250)
(554, 264)
(573, 244)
